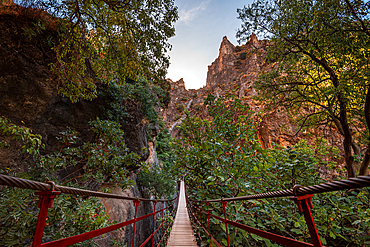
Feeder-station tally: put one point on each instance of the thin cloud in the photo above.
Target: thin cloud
(187, 15)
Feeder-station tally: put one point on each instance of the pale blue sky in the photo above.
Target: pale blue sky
(199, 32)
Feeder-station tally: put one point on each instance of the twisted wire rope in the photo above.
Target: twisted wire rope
(35, 185)
(351, 183)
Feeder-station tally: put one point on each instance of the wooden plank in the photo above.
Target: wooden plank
(182, 233)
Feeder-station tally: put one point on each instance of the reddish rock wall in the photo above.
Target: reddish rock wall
(234, 71)
(221, 70)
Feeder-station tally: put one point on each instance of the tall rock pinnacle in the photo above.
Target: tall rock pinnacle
(218, 71)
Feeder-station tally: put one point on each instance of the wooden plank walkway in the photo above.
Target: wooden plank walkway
(182, 233)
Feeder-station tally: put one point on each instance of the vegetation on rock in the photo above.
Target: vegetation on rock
(222, 158)
(107, 50)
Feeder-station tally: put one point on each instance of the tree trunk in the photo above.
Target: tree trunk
(351, 172)
(366, 161)
(348, 140)
(355, 148)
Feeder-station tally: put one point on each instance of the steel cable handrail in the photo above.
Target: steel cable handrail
(154, 232)
(351, 183)
(299, 194)
(271, 236)
(47, 193)
(35, 185)
(208, 233)
(85, 236)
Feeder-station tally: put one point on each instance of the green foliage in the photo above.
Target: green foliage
(113, 97)
(107, 157)
(180, 108)
(335, 213)
(115, 243)
(68, 137)
(104, 158)
(163, 147)
(197, 107)
(37, 28)
(146, 95)
(222, 158)
(168, 222)
(142, 91)
(31, 143)
(209, 147)
(156, 180)
(108, 41)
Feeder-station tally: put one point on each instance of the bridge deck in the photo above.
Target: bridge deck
(182, 232)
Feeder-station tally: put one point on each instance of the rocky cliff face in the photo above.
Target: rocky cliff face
(221, 70)
(28, 97)
(234, 71)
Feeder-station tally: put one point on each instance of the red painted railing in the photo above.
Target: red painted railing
(48, 193)
(299, 194)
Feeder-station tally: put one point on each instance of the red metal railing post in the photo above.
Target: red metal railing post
(209, 226)
(154, 204)
(304, 204)
(46, 201)
(163, 206)
(136, 203)
(227, 229)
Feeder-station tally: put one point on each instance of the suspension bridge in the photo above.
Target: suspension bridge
(188, 211)
(182, 232)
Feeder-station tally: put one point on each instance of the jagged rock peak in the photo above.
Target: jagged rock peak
(181, 82)
(253, 39)
(220, 70)
(226, 47)
(178, 85)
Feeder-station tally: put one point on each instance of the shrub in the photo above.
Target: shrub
(180, 108)
(142, 91)
(242, 56)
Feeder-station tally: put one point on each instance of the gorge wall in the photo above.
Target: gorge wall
(234, 71)
(29, 98)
